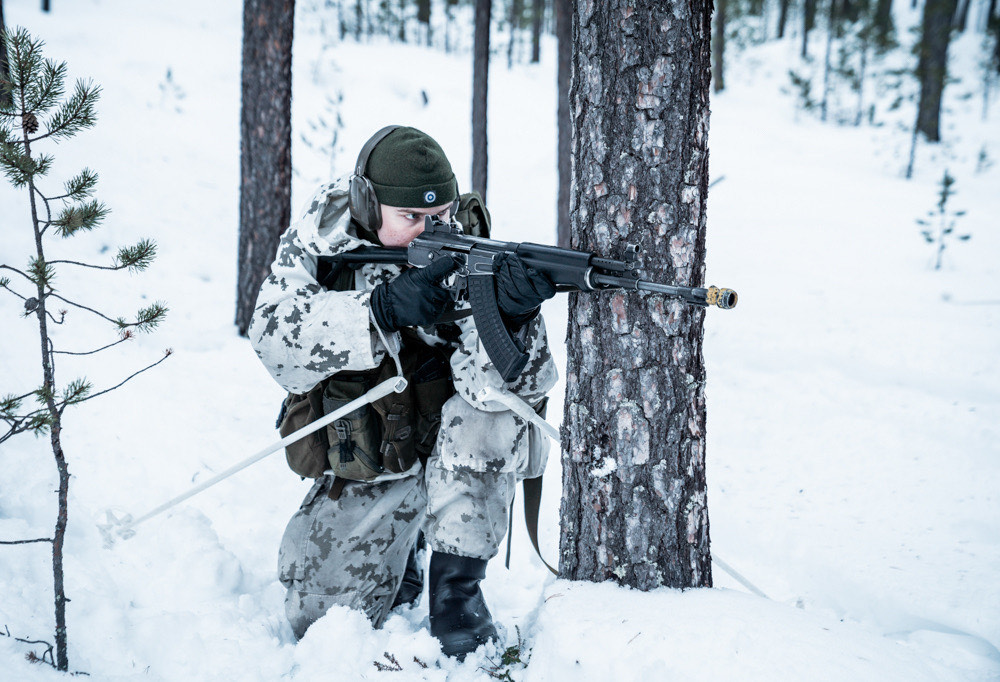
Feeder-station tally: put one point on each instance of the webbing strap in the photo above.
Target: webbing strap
(532, 502)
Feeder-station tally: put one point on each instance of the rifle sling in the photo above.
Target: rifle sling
(532, 502)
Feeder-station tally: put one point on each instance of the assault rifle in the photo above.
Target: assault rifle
(569, 270)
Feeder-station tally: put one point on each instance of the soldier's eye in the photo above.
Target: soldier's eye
(412, 216)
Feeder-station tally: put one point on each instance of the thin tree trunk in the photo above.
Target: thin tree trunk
(564, 38)
(265, 144)
(516, 8)
(831, 21)
(55, 436)
(862, 72)
(480, 87)
(719, 46)
(402, 21)
(537, 16)
(634, 504)
(46, 6)
(5, 97)
(783, 17)
(932, 67)
(808, 24)
(962, 15)
(359, 15)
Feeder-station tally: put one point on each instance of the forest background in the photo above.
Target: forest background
(852, 396)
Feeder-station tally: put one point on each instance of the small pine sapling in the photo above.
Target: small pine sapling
(939, 226)
(33, 110)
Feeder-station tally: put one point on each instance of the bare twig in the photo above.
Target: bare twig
(127, 379)
(24, 542)
(89, 265)
(23, 274)
(125, 337)
(47, 657)
(82, 307)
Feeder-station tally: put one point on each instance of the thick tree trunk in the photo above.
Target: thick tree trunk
(932, 66)
(719, 46)
(634, 503)
(265, 144)
(480, 87)
(537, 16)
(564, 39)
(783, 17)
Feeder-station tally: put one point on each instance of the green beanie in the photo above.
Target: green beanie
(409, 169)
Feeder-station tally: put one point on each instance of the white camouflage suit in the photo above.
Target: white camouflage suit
(353, 550)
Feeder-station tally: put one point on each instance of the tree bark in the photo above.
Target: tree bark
(480, 87)
(564, 39)
(634, 503)
(265, 144)
(719, 46)
(537, 15)
(932, 66)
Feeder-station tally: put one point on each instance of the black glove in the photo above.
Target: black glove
(415, 298)
(520, 289)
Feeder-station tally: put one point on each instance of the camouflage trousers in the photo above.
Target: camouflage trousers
(352, 550)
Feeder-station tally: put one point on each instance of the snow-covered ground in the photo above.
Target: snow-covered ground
(854, 395)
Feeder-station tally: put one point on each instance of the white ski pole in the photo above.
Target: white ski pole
(124, 527)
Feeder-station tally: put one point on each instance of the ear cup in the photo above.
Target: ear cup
(365, 209)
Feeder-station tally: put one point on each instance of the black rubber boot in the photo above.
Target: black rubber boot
(413, 577)
(458, 613)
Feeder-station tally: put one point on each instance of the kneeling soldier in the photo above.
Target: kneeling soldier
(434, 461)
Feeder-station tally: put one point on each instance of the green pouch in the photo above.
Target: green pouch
(355, 439)
(306, 456)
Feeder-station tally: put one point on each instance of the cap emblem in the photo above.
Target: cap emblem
(429, 197)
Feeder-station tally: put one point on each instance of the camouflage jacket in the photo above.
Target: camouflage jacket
(304, 333)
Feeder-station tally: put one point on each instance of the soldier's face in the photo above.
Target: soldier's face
(401, 225)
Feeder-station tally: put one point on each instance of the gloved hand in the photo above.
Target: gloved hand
(520, 289)
(415, 298)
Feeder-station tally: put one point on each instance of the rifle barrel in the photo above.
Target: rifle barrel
(723, 298)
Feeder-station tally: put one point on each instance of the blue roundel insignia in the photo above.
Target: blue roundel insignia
(429, 197)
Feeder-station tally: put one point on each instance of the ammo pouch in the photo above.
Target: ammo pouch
(389, 435)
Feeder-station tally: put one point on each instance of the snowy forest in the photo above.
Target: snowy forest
(802, 486)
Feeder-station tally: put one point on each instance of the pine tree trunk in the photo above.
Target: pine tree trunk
(831, 23)
(932, 67)
(265, 144)
(480, 87)
(719, 46)
(537, 15)
(564, 40)
(634, 505)
(783, 18)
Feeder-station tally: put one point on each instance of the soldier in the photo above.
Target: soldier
(354, 542)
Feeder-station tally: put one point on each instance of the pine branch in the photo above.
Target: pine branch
(80, 187)
(46, 89)
(41, 273)
(138, 257)
(82, 307)
(75, 115)
(20, 167)
(80, 217)
(147, 319)
(24, 58)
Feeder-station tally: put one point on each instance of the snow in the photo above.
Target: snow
(852, 396)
